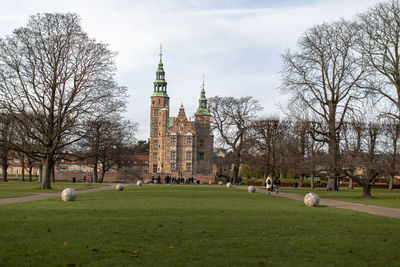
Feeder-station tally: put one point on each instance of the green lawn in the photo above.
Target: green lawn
(19, 189)
(192, 226)
(381, 197)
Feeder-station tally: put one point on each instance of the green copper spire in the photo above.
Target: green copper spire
(202, 109)
(160, 85)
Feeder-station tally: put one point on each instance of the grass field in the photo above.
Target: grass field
(381, 197)
(192, 226)
(19, 189)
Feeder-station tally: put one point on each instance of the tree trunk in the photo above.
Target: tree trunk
(40, 174)
(53, 174)
(333, 151)
(30, 174)
(102, 173)
(4, 167)
(47, 169)
(95, 171)
(367, 191)
(331, 185)
(391, 178)
(312, 181)
(351, 184)
(301, 179)
(23, 169)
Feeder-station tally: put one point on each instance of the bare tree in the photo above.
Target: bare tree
(5, 132)
(231, 118)
(269, 139)
(379, 41)
(392, 134)
(104, 141)
(322, 78)
(52, 76)
(362, 162)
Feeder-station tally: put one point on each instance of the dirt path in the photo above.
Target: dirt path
(376, 210)
(5, 201)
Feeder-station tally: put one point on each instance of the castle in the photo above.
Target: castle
(178, 147)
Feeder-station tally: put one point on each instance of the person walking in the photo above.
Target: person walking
(277, 183)
(269, 184)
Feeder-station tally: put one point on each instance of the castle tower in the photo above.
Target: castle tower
(159, 114)
(205, 138)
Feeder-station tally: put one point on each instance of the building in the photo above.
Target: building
(178, 147)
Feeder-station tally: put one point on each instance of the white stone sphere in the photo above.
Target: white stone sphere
(68, 194)
(210, 182)
(119, 187)
(220, 183)
(146, 181)
(311, 200)
(139, 183)
(251, 189)
(229, 185)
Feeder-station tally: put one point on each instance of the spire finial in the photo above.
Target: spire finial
(202, 87)
(160, 52)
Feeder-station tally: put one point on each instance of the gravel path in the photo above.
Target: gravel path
(5, 201)
(376, 210)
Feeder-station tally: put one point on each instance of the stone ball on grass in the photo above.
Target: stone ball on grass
(220, 183)
(311, 200)
(68, 194)
(119, 187)
(229, 185)
(210, 182)
(139, 183)
(251, 189)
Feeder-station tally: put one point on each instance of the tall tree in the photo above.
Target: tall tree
(231, 117)
(321, 78)
(5, 139)
(51, 71)
(379, 42)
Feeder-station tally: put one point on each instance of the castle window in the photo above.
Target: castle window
(155, 156)
(201, 143)
(173, 141)
(188, 155)
(189, 141)
(173, 166)
(159, 101)
(155, 123)
(188, 167)
(201, 119)
(155, 144)
(154, 167)
(201, 156)
(165, 102)
(173, 155)
(155, 112)
(155, 132)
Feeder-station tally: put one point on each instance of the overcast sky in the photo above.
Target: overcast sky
(235, 44)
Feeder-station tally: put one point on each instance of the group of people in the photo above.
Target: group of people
(172, 180)
(272, 185)
(237, 181)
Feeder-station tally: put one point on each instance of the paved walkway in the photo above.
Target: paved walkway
(376, 210)
(5, 201)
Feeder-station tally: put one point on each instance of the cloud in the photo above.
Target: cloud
(236, 44)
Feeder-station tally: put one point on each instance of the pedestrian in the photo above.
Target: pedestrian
(269, 184)
(277, 183)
